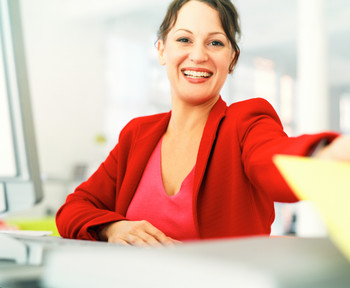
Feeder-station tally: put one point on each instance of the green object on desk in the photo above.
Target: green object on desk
(35, 224)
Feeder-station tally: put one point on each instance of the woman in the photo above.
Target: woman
(202, 171)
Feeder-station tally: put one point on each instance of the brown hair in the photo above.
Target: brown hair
(229, 20)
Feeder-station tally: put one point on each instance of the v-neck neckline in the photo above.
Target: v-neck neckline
(185, 181)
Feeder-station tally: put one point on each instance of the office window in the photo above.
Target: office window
(344, 111)
(265, 80)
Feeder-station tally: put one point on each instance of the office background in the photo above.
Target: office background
(92, 67)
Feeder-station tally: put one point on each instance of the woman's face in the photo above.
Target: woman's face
(197, 54)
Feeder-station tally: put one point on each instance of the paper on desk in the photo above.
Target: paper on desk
(327, 185)
(26, 232)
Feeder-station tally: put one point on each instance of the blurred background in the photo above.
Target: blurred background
(92, 67)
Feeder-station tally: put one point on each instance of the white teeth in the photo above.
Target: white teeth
(196, 74)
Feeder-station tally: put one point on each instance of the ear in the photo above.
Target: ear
(232, 62)
(161, 52)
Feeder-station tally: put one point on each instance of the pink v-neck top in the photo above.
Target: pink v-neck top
(173, 215)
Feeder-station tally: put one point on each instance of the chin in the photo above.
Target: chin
(199, 99)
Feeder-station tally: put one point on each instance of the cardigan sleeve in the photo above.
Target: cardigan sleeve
(92, 203)
(261, 137)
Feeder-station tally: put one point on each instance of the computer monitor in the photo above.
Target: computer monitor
(20, 183)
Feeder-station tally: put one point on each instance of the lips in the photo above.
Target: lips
(197, 73)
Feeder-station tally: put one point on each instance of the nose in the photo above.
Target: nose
(198, 54)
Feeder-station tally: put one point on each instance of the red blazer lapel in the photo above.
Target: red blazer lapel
(140, 153)
(146, 142)
(209, 135)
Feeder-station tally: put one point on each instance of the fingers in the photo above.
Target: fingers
(338, 149)
(118, 241)
(138, 233)
(156, 235)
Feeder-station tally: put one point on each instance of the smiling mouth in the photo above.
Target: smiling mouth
(197, 74)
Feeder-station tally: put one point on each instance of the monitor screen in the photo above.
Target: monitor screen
(20, 185)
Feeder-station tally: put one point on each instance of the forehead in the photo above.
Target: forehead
(200, 16)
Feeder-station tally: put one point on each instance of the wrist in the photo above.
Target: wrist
(105, 230)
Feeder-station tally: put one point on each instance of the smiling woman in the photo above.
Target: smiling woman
(228, 17)
(203, 170)
(196, 52)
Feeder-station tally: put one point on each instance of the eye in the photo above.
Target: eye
(183, 40)
(216, 43)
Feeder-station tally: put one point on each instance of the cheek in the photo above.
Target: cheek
(174, 61)
(224, 63)
(174, 56)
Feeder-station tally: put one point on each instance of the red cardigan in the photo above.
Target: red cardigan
(235, 181)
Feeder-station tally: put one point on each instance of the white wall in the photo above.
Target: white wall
(66, 74)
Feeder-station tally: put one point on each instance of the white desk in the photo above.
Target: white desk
(248, 262)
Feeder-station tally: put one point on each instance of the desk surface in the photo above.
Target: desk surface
(247, 262)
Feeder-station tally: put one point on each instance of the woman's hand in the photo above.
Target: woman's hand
(138, 233)
(338, 149)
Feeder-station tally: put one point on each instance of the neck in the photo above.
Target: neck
(189, 120)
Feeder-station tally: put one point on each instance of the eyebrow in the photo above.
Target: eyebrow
(211, 33)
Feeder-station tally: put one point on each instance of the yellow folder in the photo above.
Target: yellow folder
(326, 184)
